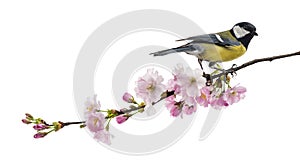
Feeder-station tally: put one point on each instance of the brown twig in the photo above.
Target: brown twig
(131, 110)
(235, 69)
(164, 95)
(71, 123)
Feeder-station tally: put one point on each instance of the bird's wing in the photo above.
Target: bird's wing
(212, 39)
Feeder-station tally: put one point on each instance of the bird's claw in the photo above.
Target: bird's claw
(232, 70)
(208, 79)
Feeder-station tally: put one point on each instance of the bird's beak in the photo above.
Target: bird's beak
(255, 34)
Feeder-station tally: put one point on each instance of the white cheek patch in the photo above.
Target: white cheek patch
(240, 32)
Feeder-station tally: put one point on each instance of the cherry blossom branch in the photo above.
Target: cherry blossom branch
(183, 93)
(233, 70)
(43, 128)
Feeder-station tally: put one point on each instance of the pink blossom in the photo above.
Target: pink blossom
(95, 121)
(189, 80)
(235, 94)
(149, 87)
(190, 101)
(173, 86)
(205, 96)
(218, 102)
(121, 119)
(103, 136)
(127, 97)
(188, 110)
(173, 106)
(193, 82)
(187, 84)
(176, 108)
(92, 105)
(175, 111)
(170, 102)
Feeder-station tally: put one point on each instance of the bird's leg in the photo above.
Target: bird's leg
(200, 63)
(206, 76)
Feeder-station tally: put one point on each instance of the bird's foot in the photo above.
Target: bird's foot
(208, 79)
(232, 70)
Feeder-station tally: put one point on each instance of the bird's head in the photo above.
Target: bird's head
(244, 32)
(243, 29)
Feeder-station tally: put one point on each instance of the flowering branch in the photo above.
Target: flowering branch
(183, 93)
(43, 128)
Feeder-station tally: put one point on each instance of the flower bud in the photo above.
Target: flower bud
(82, 126)
(40, 127)
(127, 97)
(28, 116)
(175, 111)
(121, 119)
(25, 121)
(40, 135)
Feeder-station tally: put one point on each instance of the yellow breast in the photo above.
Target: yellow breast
(214, 53)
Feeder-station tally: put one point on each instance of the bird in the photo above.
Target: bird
(217, 47)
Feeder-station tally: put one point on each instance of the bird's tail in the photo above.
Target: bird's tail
(173, 50)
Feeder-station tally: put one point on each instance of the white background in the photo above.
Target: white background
(39, 43)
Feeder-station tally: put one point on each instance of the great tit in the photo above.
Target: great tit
(217, 47)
